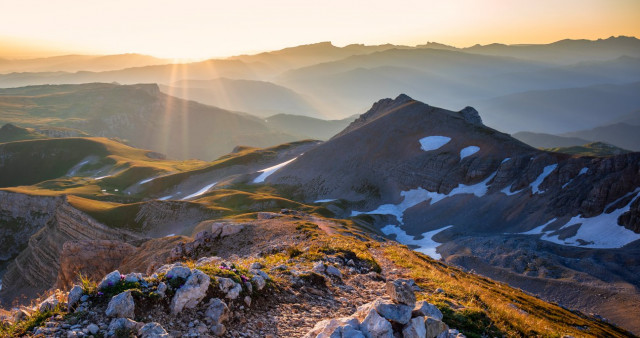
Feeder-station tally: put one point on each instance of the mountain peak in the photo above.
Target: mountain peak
(377, 110)
(471, 115)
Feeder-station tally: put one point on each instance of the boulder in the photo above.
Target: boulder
(427, 310)
(48, 304)
(217, 311)
(161, 289)
(333, 271)
(259, 273)
(435, 327)
(259, 282)
(110, 280)
(191, 293)
(319, 267)
(121, 306)
(337, 327)
(400, 291)
(74, 295)
(256, 266)
(134, 277)
(152, 330)
(398, 313)
(374, 325)
(234, 292)
(124, 324)
(178, 271)
(415, 328)
(218, 330)
(93, 329)
(213, 260)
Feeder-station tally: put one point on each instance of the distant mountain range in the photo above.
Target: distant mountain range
(507, 83)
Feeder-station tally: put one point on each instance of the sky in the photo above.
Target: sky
(214, 28)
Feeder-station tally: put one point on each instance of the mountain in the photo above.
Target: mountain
(266, 98)
(308, 127)
(569, 109)
(428, 176)
(75, 63)
(590, 149)
(632, 118)
(565, 51)
(307, 55)
(542, 140)
(620, 134)
(139, 114)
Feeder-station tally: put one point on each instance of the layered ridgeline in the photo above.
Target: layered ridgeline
(565, 225)
(139, 114)
(439, 181)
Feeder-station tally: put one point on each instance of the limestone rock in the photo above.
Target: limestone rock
(213, 260)
(134, 277)
(337, 327)
(400, 291)
(124, 324)
(333, 271)
(121, 306)
(152, 330)
(178, 271)
(415, 328)
(74, 295)
(398, 313)
(218, 330)
(217, 311)
(109, 280)
(191, 293)
(435, 327)
(259, 282)
(48, 304)
(161, 289)
(471, 115)
(93, 329)
(374, 325)
(427, 310)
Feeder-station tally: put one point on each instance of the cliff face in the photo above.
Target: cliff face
(36, 267)
(20, 217)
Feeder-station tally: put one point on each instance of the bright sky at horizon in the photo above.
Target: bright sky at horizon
(206, 28)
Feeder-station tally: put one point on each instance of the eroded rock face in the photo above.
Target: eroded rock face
(36, 268)
(92, 258)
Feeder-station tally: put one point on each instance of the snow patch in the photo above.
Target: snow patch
(268, 171)
(582, 172)
(165, 198)
(77, 167)
(426, 245)
(505, 160)
(468, 151)
(325, 200)
(200, 192)
(538, 230)
(507, 191)
(545, 172)
(416, 196)
(433, 142)
(600, 232)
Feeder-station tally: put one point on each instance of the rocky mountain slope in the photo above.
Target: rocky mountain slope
(427, 176)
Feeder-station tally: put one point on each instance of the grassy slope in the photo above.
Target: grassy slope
(597, 149)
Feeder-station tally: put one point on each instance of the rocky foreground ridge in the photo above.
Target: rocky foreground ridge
(292, 274)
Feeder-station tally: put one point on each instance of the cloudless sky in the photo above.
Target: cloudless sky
(207, 28)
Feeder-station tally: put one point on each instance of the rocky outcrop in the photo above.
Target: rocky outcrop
(91, 258)
(388, 318)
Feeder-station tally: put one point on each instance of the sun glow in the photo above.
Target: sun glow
(203, 29)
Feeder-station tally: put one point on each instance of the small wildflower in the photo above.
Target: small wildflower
(100, 293)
